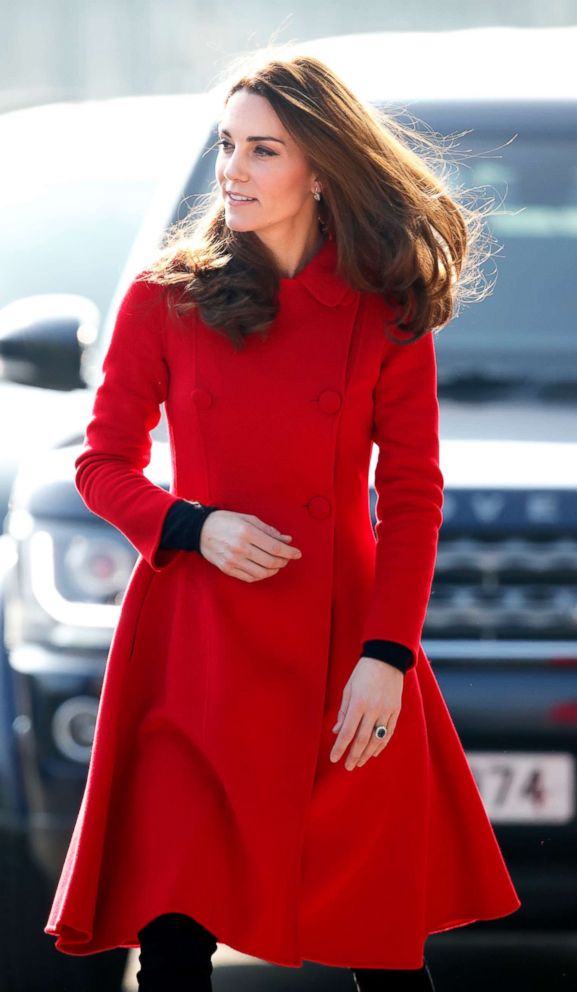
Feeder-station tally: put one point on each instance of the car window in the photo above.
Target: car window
(533, 182)
(69, 237)
(76, 181)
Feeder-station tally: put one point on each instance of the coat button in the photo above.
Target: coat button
(319, 507)
(202, 397)
(330, 401)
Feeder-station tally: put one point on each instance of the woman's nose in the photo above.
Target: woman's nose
(235, 175)
(234, 169)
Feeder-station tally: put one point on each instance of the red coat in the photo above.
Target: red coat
(210, 790)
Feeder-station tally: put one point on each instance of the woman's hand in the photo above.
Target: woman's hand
(371, 696)
(242, 545)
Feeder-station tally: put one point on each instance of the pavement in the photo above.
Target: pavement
(466, 961)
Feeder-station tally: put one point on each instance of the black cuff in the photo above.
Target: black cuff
(396, 654)
(183, 524)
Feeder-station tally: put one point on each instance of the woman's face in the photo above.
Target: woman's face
(272, 171)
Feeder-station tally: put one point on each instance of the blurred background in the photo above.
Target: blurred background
(77, 49)
(107, 117)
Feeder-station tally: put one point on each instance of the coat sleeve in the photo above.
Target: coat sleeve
(117, 445)
(409, 489)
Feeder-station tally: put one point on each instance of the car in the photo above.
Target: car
(501, 628)
(76, 179)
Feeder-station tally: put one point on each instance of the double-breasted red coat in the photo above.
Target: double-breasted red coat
(210, 790)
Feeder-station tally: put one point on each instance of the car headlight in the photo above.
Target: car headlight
(71, 581)
(89, 567)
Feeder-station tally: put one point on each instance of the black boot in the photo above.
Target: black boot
(175, 953)
(393, 979)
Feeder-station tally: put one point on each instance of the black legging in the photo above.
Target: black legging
(175, 950)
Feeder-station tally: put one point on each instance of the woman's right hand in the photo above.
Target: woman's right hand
(242, 545)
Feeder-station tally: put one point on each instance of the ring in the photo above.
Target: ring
(380, 731)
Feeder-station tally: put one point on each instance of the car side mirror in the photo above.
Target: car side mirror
(43, 339)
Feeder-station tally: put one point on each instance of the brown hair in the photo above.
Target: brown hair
(397, 228)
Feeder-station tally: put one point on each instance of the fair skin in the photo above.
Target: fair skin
(283, 213)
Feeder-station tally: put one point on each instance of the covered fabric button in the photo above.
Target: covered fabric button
(330, 401)
(202, 397)
(319, 507)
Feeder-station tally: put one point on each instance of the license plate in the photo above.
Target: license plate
(525, 787)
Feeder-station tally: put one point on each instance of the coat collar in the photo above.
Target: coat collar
(320, 277)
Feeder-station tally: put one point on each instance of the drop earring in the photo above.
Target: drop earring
(323, 226)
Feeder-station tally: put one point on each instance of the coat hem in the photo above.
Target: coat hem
(461, 921)
(74, 938)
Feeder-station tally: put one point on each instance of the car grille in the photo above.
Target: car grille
(504, 588)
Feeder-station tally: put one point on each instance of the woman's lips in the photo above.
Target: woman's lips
(243, 202)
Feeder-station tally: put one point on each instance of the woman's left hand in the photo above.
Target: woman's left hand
(371, 696)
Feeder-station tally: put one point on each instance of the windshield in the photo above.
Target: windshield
(532, 182)
(532, 308)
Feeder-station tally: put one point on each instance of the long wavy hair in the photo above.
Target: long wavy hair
(385, 200)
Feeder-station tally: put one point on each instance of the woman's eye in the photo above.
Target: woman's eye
(259, 148)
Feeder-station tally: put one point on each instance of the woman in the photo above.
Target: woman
(268, 648)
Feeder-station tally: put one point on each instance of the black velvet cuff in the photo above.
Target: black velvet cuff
(396, 654)
(183, 524)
